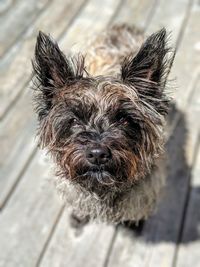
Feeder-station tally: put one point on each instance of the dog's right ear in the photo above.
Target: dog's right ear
(52, 70)
(51, 67)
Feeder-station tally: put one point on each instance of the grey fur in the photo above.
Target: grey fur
(133, 205)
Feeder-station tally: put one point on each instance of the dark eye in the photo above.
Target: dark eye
(123, 120)
(74, 122)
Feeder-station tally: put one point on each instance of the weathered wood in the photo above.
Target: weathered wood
(29, 217)
(71, 248)
(90, 22)
(15, 67)
(188, 57)
(188, 253)
(15, 22)
(172, 16)
(188, 250)
(193, 115)
(157, 244)
(135, 13)
(17, 144)
(5, 6)
(14, 125)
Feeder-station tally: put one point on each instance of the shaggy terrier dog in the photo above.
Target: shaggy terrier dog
(102, 117)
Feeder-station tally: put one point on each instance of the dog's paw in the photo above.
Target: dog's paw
(78, 222)
(134, 226)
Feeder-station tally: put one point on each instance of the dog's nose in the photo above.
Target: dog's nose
(98, 155)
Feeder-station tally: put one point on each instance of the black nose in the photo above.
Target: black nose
(98, 155)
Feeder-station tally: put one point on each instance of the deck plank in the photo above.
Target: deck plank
(188, 53)
(167, 16)
(193, 111)
(17, 144)
(29, 217)
(87, 249)
(156, 245)
(15, 67)
(190, 240)
(135, 12)
(20, 16)
(5, 6)
(90, 22)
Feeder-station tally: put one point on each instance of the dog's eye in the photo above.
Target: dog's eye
(73, 122)
(123, 120)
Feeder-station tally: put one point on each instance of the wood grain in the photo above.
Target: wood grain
(135, 12)
(29, 217)
(187, 62)
(188, 249)
(17, 20)
(89, 22)
(15, 67)
(17, 142)
(71, 247)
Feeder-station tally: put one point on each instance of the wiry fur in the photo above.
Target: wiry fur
(114, 98)
(137, 203)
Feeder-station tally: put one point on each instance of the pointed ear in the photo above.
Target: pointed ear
(50, 65)
(151, 64)
(52, 70)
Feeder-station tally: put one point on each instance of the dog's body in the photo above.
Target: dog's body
(103, 121)
(105, 53)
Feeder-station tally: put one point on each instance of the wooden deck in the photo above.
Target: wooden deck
(34, 227)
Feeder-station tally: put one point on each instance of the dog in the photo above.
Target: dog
(102, 116)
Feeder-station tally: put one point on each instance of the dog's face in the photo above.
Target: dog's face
(103, 132)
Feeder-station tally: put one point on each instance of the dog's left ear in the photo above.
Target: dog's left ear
(52, 71)
(151, 65)
(51, 67)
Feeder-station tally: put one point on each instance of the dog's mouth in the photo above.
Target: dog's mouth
(102, 176)
(99, 179)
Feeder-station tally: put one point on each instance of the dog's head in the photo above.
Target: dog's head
(103, 132)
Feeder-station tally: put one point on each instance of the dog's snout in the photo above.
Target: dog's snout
(98, 155)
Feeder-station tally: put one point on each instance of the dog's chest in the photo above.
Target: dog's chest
(135, 204)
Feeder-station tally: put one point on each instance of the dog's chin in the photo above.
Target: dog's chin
(100, 176)
(96, 181)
